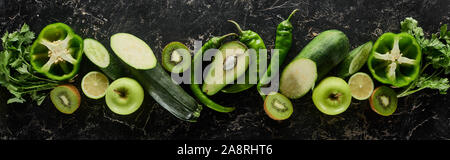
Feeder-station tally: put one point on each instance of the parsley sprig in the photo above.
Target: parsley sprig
(436, 54)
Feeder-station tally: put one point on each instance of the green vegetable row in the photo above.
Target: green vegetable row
(399, 62)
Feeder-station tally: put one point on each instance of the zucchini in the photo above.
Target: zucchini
(326, 50)
(100, 56)
(142, 64)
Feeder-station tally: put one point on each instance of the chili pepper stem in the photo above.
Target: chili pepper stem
(293, 12)
(237, 26)
(229, 34)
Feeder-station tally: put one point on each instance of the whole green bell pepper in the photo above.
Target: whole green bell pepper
(57, 52)
(395, 59)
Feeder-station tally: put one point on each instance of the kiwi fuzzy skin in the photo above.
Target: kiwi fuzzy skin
(371, 100)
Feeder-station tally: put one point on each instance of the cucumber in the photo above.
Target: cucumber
(141, 62)
(355, 60)
(298, 78)
(100, 56)
(326, 50)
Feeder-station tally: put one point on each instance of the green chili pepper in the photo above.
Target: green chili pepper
(395, 59)
(57, 52)
(215, 43)
(253, 41)
(283, 43)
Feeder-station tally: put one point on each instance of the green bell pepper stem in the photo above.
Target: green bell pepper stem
(283, 43)
(214, 42)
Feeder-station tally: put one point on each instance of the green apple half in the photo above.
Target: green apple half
(124, 96)
(332, 96)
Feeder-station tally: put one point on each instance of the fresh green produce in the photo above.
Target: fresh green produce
(133, 51)
(277, 106)
(229, 63)
(395, 59)
(142, 64)
(94, 85)
(283, 43)
(327, 50)
(66, 98)
(332, 96)
(356, 59)
(383, 101)
(57, 52)
(213, 43)
(298, 78)
(253, 41)
(437, 55)
(99, 55)
(361, 86)
(124, 96)
(176, 57)
(16, 73)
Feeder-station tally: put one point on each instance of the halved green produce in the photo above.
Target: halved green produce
(326, 50)
(142, 63)
(99, 55)
(356, 59)
(229, 63)
(176, 57)
(66, 98)
(277, 106)
(383, 101)
(298, 78)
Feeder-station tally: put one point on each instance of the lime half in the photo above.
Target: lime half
(361, 86)
(94, 85)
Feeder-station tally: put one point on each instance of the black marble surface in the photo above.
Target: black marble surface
(424, 115)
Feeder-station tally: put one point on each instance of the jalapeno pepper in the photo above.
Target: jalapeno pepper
(57, 52)
(395, 59)
(214, 42)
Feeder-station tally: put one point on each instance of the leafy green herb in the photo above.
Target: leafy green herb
(16, 73)
(437, 55)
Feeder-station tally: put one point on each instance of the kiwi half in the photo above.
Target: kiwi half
(278, 106)
(176, 57)
(383, 101)
(66, 98)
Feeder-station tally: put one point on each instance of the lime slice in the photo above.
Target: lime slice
(361, 86)
(94, 85)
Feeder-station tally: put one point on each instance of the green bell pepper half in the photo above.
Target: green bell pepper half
(57, 52)
(395, 59)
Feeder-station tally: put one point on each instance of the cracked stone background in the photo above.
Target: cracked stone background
(424, 115)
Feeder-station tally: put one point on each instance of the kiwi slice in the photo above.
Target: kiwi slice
(66, 98)
(383, 101)
(278, 106)
(176, 57)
